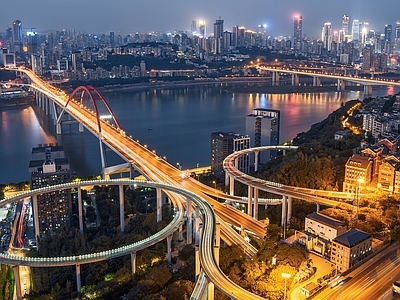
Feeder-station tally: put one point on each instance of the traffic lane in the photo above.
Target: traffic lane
(366, 274)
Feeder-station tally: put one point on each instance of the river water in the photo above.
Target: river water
(175, 122)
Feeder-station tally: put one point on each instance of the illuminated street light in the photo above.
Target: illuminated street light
(286, 276)
(215, 184)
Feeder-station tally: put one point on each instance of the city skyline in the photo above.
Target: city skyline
(141, 16)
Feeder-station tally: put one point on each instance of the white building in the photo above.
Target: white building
(324, 226)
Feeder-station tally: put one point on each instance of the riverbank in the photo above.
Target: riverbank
(238, 85)
(9, 103)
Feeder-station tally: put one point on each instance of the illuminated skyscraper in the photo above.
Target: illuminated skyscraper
(355, 30)
(17, 36)
(397, 36)
(298, 32)
(388, 39)
(218, 35)
(32, 42)
(345, 24)
(327, 36)
(202, 29)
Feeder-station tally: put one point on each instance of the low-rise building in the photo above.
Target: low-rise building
(349, 248)
(320, 230)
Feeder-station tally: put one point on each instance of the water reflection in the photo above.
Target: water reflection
(181, 119)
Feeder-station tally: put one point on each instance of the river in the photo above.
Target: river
(175, 122)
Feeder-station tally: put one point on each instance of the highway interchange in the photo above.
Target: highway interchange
(156, 169)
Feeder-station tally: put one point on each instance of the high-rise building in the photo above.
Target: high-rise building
(263, 126)
(193, 27)
(355, 30)
(298, 32)
(112, 38)
(345, 24)
(327, 36)
(49, 167)
(218, 35)
(202, 29)
(388, 33)
(224, 144)
(397, 36)
(32, 43)
(17, 36)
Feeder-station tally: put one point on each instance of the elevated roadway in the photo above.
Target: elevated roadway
(322, 74)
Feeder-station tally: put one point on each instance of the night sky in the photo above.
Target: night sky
(128, 16)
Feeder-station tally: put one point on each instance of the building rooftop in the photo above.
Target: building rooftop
(358, 161)
(331, 222)
(352, 237)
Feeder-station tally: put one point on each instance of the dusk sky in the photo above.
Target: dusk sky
(128, 16)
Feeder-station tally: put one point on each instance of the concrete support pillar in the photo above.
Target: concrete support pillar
(231, 186)
(367, 89)
(295, 79)
(283, 219)
(284, 152)
(121, 207)
(255, 211)
(226, 179)
(341, 85)
(18, 291)
(133, 263)
(81, 128)
(180, 234)
(53, 112)
(316, 81)
(78, 278)
(249, 200)
(189, 222)
(275, 78)
(318, 207)
(169, 244)
(196, 221)
(48, 110)
(58, 128)
(36, 217)
(256, 157)
(289, 209)
(159, 205)
(80, 210)
(197, 251)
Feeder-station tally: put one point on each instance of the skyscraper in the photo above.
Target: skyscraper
(17, 36)
(193, 27)
(388, 39)
(224, 144)
(298, 32)
(112, 38)
(49, 167)
(32, 43)
(263, 126)
(202, 29)
(218, 35)
(345, 24)
(355, 30)
(327, 36)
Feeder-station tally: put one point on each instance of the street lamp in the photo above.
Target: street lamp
(286, 276)
(215, 184)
